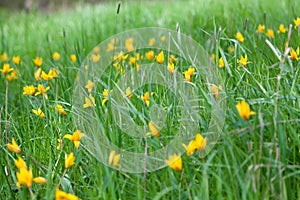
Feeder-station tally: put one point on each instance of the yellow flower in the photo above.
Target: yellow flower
(96, 57)
(20, 163)
(29, 90)
(38, 61)
(149, 55)
(199, 143)
(153, 129)
(243, 61)
(24, 177)
(96, 50)
(56, 56)
(53, 72)
(40, 180)
(163, 38)
(46, 77)
(160, 58)
(294, 55)
(244, 110)
(215, 91)
(37, 74)
(260, 28)
(190, 149)
(132, 60)
(6, 69)
(13, 75)
(120, 57)
(39, 113)
(73, 58)
(297, 22)
(128, 92)
(105, 96)
(110, 47)
(174, 161)
(119, 68)
(75, 138)
(4, 57)
(281, 29)
(189, 73)
(61, 195)
(70, 159)
(146, 98)
(270, 33)
(221, 63)
(138, 56)
(13, 147)
(172, 59)
(42, 91)
(16, 60)
(213, 57)
(230, 49)
(151, 41)
(129, 44)
(114, 158)
(89, 86)
(60, 144)
(60, 109)
(171, 68)
(89, 102)
(239, 37)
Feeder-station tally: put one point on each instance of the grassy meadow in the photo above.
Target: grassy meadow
(257, 156)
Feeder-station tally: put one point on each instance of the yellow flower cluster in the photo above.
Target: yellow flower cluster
(121, 61)
(198, 143)
(10, 74)
(10, 71)
(174, 161)
(24, 176)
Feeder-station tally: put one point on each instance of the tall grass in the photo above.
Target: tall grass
(255, 159)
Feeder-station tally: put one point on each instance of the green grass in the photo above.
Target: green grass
(255, 159)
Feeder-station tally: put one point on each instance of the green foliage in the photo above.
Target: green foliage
(255, 159)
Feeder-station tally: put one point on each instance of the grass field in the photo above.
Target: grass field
(255, 158)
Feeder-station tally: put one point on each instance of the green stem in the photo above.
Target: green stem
(31, 193)
(36, 162)
(62, 178)
(6, 110)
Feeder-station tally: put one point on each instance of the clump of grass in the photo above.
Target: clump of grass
(256, 157)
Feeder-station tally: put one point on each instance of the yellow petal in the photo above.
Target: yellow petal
(68, 136)
(114, 158)
(104, 101)
(13, 147)
(40, 180)
(24, 177)
(61, 195)
(200, 142)
(69, 160)
(160, 58)
(174, 161)
(76, 143)
(20, 163)
(153, 129)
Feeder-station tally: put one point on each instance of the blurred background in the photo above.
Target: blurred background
(42, 5)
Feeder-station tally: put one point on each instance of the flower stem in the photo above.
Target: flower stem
(6, 111)
(36, 162)
(145, 166)
(62, 178)
(31, 193)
